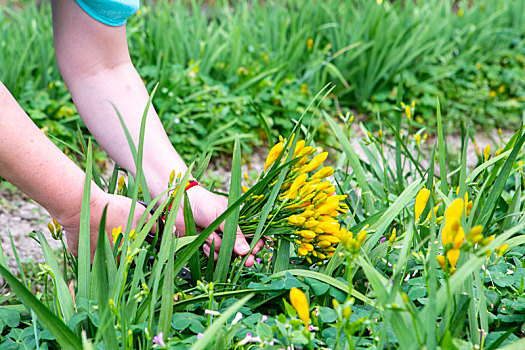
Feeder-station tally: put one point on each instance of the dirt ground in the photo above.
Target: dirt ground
(20, 215)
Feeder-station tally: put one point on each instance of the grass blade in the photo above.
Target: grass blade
(106, 316)
(64, 297)
(84, 234)
(230, 227)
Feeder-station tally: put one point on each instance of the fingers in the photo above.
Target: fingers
(241, 246)
(249, 260)
(214, 237)
(206, 249)
(258, 247)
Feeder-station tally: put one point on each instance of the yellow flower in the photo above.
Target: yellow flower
(323, 172)
(121, 182)
(328, 226)
(327, 208)
(300, 304)
(132, 235)
(460, 12)
(298, 148)
(486, 152)
(296, 220)
(421, 202)
(441, 261)
(309, 44)
(474, 236)
(501, 250)
(314, 163)
(486, 241)
(307, 234)
(115, 233)
(244, 189)
(408, 112)
(455, 209)
(302, 251)
(418, 140)
(453, 256)
(275, 152)
(298, 182)
(308, 150)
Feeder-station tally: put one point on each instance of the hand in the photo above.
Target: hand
(117, 215)
(207, 207)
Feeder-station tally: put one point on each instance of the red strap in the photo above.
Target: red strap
(189, 184)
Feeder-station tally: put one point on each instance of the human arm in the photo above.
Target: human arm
(30, 161)
(95, 64)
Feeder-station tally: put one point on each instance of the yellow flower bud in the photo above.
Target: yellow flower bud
(421, 202)
(121, 182)
(274, 153)
(298, 148)
(361, 237)
(307, 246)
(307, 234)
(328, 226)
(455, 209)
(296, 220)
(300, 304)
(115, 233)
(310, 223)
(302, 251)
(453, 256)
(330, 238)
(244, 189)
(314, 163)
(501, 250)
(298, 182)
(486, 152)
(486, 241)
(474, 234)
(441, 261)
(323, 172)
(418, 140)
(306, 151)
(408, 112)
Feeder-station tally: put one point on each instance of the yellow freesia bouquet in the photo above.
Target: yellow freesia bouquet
(307, 210)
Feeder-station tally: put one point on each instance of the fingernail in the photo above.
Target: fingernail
(244, 249)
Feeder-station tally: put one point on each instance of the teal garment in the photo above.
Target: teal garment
(111, 12)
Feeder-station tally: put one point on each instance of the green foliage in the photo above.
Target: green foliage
(249, 69)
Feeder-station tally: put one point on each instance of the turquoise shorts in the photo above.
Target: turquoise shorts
(111, 12)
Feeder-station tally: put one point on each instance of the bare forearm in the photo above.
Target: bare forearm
(121, 86)
(30, 161)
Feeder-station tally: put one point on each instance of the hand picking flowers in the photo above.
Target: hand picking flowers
(307, 210)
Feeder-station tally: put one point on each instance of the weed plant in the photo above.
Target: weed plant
(249, 68)
(424, 256)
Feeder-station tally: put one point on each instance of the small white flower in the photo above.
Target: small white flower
(212, 312)
(237, 318)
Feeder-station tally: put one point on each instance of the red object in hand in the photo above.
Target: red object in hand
(189, 184)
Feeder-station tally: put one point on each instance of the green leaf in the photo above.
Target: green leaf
(64, 296)
(442, 150)
(166, 302)
(190, 230)
(64, 336)
(106, 328)
(210, 333)
(326, 279)
(84, 234)
(354, 162)
(230, 227)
